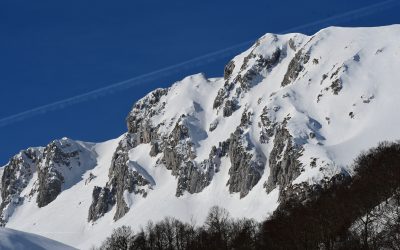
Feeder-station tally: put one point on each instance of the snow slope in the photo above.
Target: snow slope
(17, 240)
(336, 93)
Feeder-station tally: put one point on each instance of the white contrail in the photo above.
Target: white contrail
(198, 61)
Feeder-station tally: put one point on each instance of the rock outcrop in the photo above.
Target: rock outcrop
(61, 159)
(58, 166)
(102, 201)
(284, 161)
(246, 165)
(229, 69)
(254, 67)
(296, 65)
(179, 157)
(16, 175)
(122, 177)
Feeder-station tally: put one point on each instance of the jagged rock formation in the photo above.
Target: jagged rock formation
(296, 65)
(179, 157)
(284, 161)
(252, 70)
(102, 200)
(246, 169)
(16, 176)
(121, 176)
(60, 159)
(57, 166)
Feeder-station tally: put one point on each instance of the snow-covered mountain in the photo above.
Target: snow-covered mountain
(291, 109)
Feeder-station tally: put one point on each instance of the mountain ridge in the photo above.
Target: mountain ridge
(291, 109)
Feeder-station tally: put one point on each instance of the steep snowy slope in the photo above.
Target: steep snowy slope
(16, 240)
(291, 109)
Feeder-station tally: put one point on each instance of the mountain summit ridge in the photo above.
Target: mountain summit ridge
(291, 109)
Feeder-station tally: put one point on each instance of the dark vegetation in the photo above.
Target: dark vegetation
(362, 212)
(324, 222)
(218, 232)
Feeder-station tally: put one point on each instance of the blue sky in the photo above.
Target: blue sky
(52, 50)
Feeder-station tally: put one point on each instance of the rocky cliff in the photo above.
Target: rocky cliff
(43, 173)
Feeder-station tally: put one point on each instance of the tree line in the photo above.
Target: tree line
(219, 231)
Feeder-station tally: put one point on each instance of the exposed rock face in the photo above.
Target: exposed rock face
(292, 44)
(16, 176)
(177, 148)
(50, 179)
(268, 127)
(253, 74)
(245, 171)
(120, 178)
(296, 65)
(229, 69)
(140, 128)
(245, 120)
(336, 86)
(49, 186)
(127, 180)
(144, 108)
(155, 149)
(337, 83)
(284, 163)
(123, 177)
(59, 158)
(229, 108)
(58, 166)
(283, 160)
(194, 179)
(179, 156)
(252, 70)
(213, 125)
(172, 160)
(222, 94)
(102, 201)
